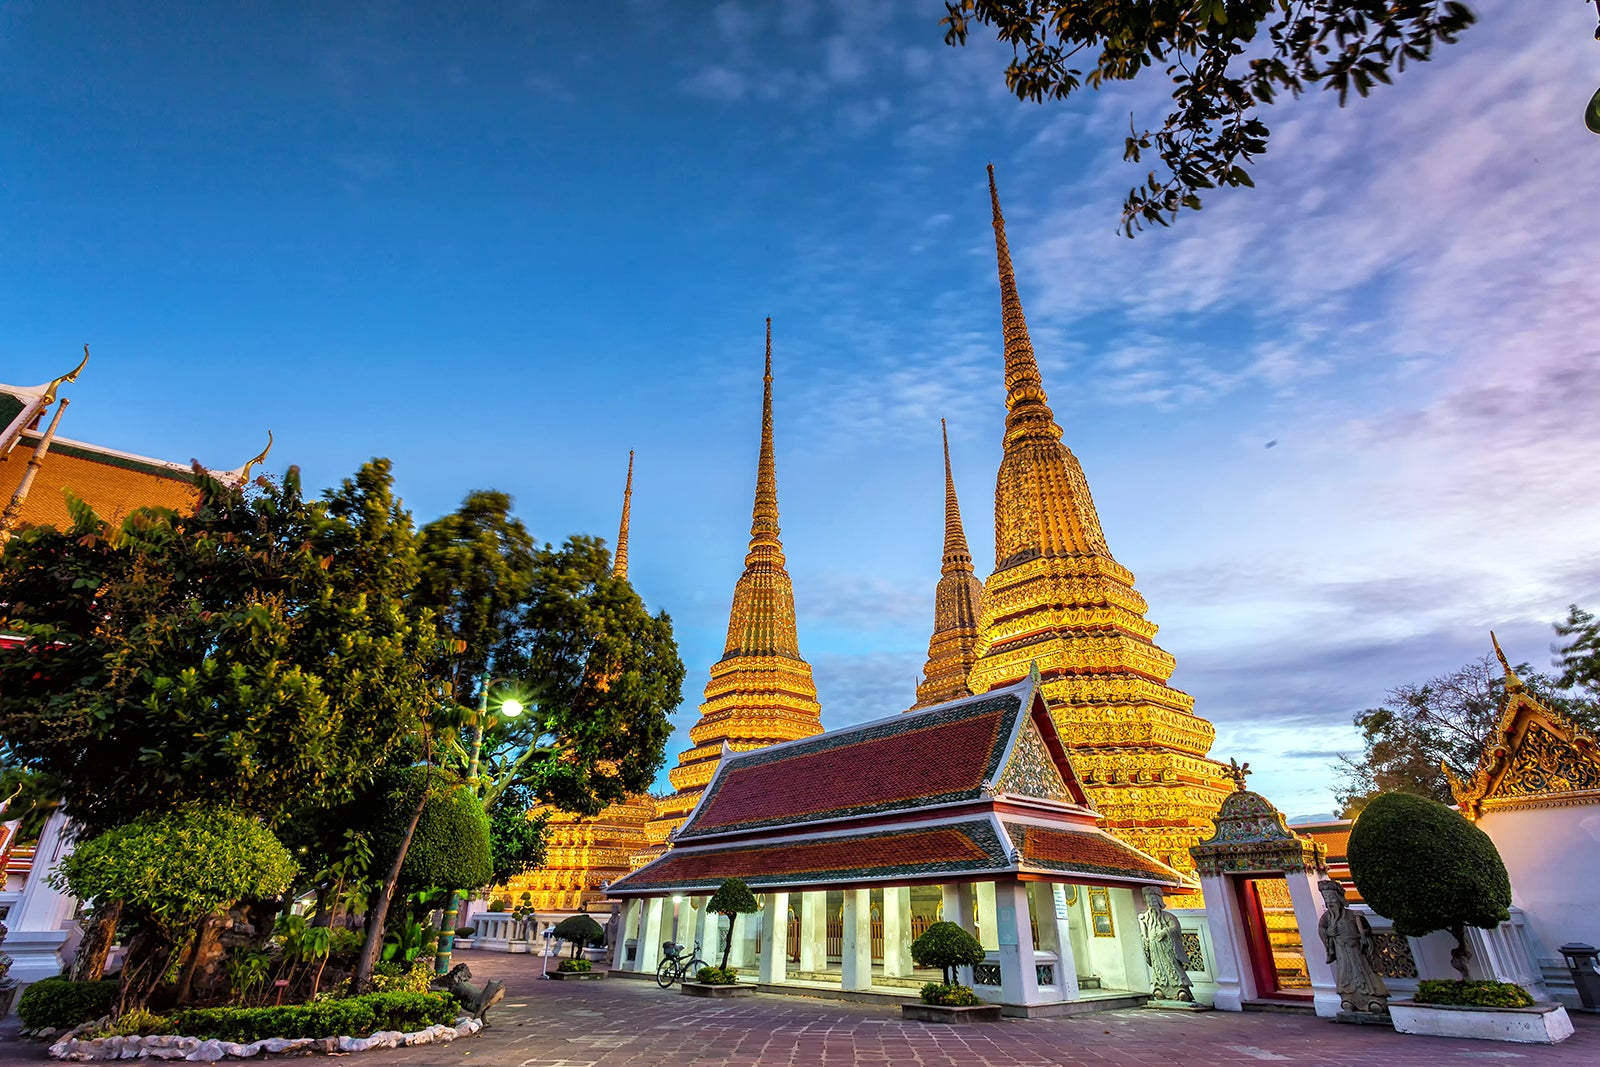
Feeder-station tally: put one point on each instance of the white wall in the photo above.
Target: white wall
(1553, 857)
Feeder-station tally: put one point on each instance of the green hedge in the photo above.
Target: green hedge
(352, 1017)
(717, 976)
(949, 996)
(574, 966)
(63, 1003)
(1472, 994)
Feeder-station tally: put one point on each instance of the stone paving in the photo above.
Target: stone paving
(618, 1022)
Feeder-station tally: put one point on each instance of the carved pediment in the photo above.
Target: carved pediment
(1032, 771)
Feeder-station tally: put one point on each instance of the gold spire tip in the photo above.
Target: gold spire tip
(1513, 683)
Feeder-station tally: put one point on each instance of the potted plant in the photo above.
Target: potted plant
(578, 930)
(947, 946)
(732, 899)
(1427, 868)
(465, 936)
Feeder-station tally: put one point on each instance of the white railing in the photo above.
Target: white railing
(1506, 954)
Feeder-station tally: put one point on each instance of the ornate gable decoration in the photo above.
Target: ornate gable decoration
(1031, 771)
(1252, 835)
(1536, 757)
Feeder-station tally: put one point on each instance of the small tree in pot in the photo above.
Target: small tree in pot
(1427, 868)
(581, 930)
(947, 946)
(732, 898)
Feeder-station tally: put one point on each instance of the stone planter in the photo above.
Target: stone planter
(944, 1013)
(715, 992)
(464, 942)
(596, 953)
(517, 946)
(1540, 1024)
(575, 976)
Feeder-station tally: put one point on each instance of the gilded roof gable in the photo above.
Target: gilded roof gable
(1536, 757)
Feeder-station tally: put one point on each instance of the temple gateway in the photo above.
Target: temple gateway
(969, 811)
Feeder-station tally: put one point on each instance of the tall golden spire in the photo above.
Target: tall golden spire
(760, 692)
(951, 649)
(8, 518)
(1057, 597)
(619, 562)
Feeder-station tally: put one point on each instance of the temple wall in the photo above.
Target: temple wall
(1553, 857)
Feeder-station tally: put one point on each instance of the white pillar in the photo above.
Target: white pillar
(813, 932)
(774, 939)
(619, 951)
(1230, 952)
(708, 931)
(650, 934)
(1308, 907)
(986, 916)
(1018, 980)
(897, 932)
(740, 931)
(855, 963)
(1066, 959)
(43, 937)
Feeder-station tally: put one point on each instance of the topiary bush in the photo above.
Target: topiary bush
(947, 946)
(1472, 994)
(1427, 868)
(466, 931)
(581, 930)
(732, 898)
(450, 849)
(61, 1004)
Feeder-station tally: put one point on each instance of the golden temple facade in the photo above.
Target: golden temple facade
(760, 692)
(952, 650)
(583, 853)
(1058, 598)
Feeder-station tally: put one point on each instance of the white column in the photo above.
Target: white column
(986, 917)
(1066, 958)
(43, 937)
(1230, 953)
(774, 938)
(740, 931)
(1308, 907)
(1019, 982)
(897, 932)
(619, 951)
(813, 932)
(708, 933)
(650, 934)
(855, 964)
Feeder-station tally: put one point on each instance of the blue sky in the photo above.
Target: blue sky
(505, 249)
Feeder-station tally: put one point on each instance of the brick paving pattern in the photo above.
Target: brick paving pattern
(619, 1022)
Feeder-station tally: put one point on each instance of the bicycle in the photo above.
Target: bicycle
(677, 967)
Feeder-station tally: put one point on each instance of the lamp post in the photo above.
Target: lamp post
(510, 707)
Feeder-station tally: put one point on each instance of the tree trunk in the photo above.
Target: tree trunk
(89, 965)
(149, 954)
(1462, 952)
(727, 942)
(207, 934)
(380, 910)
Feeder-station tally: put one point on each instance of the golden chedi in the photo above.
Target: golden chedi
(1058, 598)
(583, 853)
(952, 649)
(760, 692)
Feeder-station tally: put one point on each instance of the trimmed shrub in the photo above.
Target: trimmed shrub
(1427, 868)
(390, 977)
(949, 995)
(574, 966)
(466, 931)
(732, 898)
(947, 946)
(1472, 994)
(498, 905)
(581, 930)
(352, 1017)
(62, 1003)
(450, 849)
(716, 976)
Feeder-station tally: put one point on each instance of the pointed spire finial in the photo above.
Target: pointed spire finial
(70, 376)
(957, 556)
(242, 476)
(764, 517)
(619, 562)
(1028, 411)
(1513, 683)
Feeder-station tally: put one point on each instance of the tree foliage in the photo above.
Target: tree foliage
(1226, 59)
(1427, 868)
(947, 946)
(261, 652)
(516, 835)
(1579, 653)
(580, 931)
(732, 898)
(175, 869)
(450, 848)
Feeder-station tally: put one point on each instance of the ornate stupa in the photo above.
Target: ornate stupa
(760, 692)
(583, 853)
(952, 648)
(1058, 598)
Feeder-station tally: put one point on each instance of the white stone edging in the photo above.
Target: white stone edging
(1540, 1024)
(209, 1050)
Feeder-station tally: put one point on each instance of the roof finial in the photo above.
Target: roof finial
(619, 562)
(70, 376)
(1028, 411)
(241, 476)
(1513, 683)
(764, 518)
(8, 518)
(1237, 771)
(957, 556)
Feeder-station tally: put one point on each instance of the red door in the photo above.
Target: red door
(1277, 956)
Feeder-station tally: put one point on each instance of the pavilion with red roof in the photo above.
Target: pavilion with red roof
(856, 839)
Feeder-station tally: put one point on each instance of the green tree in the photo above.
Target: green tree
(1445, 720)
(516, 835)
(450, 847)
(170, 873)
(947, 946)
(1427, 868)
(1579, 654)
(732, 899)
(1227, 60)
(580, 931)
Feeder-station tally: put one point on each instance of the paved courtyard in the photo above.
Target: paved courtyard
(615, 1022)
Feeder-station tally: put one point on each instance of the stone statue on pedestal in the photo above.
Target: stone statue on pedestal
(1347, 936)
(1163, 949)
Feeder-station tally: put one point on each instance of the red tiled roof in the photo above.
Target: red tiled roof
(903, 854)
(943, 754)
(1085, 852)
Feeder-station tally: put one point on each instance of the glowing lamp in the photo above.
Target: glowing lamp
(511, 707)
